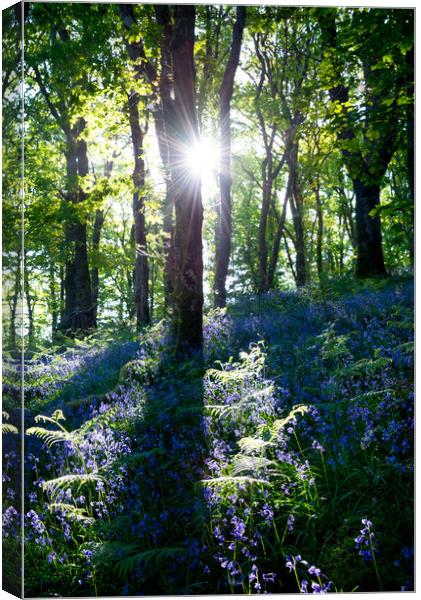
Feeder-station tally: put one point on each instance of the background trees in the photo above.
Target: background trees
(314, 109)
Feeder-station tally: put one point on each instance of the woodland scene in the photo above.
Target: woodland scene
(208, 300)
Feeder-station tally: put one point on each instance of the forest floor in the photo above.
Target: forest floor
(283, 462)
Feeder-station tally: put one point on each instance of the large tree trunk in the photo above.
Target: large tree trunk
(78, 313)
(69, 277)
(141, 279)
(370, 262)
(188, 282)
(371, 167)
(224, 226)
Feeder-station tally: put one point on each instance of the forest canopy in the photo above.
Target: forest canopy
(287, 131)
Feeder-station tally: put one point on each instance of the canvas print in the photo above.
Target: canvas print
(208, 251)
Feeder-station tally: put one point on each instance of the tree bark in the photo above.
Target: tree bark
(84, 317)
(96, 236)
(78, 313)
(14, 302)
(263, 248)
(296, 203)
(224, 225)
(163, 114)
(53, 301)
(319, 242)
(410, 125)
(366, 172)
(164, 119)
(188, 282)
(30, 303)
(277, 241)
(141, 278)
(370, 262)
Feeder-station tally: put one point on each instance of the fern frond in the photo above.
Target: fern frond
(56, 416)
(219, 410)
(151, 559)
(73, 512)
(280, 423)
(8, 428)
(50, 437)
(55, 485)
(232, 480)
(249, 464)
(250, 444)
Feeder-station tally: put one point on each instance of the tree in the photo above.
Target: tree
(224, 226)
(368, 115)
(281, 103)
(50, 68)
(188, 279)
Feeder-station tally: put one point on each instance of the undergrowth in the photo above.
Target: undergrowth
(281, 463)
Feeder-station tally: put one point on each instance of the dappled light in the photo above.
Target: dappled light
(208, 299)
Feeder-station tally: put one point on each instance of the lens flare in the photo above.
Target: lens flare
(202, 158)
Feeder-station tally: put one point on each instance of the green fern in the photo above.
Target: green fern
(124, 558)
(227, 479)
(73, 512)
(280, 423)
(249, 464)
(152, 560)
(50, 437)
(248, 445)
(8, 427)
(53, 486)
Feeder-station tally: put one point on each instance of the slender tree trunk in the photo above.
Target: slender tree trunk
(188, 283)
(165, 126)
(141, 278)
(62, 291)
(278, 236)
(319, 243)
(289, 257)
(296, 204)
(14, 303)
(410, 126)
(96, 236)
(224, 225)
(263, 247)
(53, 301)
(29, 306)
(341, 244)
